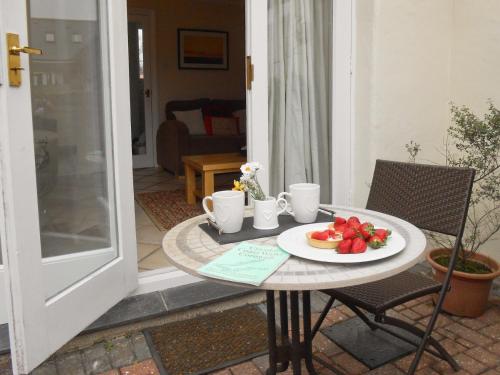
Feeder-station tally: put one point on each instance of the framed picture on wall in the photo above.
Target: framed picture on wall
(203, 49)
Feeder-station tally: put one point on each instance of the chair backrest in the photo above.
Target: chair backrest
(431, 197)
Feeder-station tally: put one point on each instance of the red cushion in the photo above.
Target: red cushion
(207, 120)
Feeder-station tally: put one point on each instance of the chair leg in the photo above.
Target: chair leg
(427, 335)
(322, 317)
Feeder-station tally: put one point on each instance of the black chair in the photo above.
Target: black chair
(434, 198)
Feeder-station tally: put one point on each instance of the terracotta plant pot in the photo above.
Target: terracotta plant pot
(469, 292)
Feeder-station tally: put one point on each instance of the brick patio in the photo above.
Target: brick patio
(475, 344)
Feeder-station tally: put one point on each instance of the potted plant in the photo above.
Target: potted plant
(472, 142)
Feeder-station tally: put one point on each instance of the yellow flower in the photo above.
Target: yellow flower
(238, 186)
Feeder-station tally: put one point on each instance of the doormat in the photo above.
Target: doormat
(372, 348)
(210, 342)
(166, 209)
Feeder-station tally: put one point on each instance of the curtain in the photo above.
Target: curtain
(300, 52)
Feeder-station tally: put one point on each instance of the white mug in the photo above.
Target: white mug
(266, 212)
(229, 209)
(304, 202)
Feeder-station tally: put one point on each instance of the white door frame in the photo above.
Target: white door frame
(343, 84)
(149, 54)
(257, 97)
(38, 326)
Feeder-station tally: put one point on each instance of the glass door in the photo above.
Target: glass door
(68, 235)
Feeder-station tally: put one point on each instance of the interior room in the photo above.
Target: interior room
(187, 95)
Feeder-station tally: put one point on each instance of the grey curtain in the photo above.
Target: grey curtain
(300, 50)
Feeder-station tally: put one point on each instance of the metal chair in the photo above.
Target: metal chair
(434, 198)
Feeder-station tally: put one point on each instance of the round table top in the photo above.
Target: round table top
(188, 247)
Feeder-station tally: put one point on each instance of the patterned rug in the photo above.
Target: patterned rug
(167, 208)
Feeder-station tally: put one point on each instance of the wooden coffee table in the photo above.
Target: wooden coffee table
(208, 165)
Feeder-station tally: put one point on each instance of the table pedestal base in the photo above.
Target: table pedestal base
(290, 348)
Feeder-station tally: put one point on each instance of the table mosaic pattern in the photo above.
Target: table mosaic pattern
(188, 248)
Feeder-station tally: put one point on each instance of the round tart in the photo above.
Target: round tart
(330, 243)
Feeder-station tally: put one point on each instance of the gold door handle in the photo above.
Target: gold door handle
(14, 58)
(29, 50)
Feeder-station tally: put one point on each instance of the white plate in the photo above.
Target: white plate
(294, 242)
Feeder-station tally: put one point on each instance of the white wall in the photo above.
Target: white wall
(412, 59)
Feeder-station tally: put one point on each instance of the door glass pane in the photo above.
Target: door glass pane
(300, 65)
(72, 137)
(136, 72)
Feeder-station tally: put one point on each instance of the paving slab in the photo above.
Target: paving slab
(199, 294)
(372, 348)
(130, 310)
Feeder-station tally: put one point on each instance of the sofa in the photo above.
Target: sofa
(173, 139)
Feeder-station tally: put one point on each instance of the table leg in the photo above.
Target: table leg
(306, 316)
(207, 183)
(190, 184)
(292, 350)
(271, 334)
(296, 346)
(285, 340)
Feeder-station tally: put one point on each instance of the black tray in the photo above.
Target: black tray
(248, 232)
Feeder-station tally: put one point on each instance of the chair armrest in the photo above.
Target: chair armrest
(172, 141)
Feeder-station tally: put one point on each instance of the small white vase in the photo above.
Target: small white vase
(265, 215)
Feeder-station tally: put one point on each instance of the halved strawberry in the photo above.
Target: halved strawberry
(349, 233)
(331, 233)
(367, 230)
(322, 236)
(375, 242)
(382, 233)
(339, 220)
(344, 247)
(358, 246)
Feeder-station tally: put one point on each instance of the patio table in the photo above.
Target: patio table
(188, 247)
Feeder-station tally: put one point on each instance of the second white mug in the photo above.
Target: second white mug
(266, 212)
(304, 202)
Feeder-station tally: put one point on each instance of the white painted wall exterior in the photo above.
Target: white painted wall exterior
(412, 59)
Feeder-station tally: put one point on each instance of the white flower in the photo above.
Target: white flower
(247, 169)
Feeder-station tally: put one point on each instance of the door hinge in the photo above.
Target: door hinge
(249, 67)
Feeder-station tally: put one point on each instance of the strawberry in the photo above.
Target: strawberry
(349, 233)
(367, 230)
(344, 247)
(331, 233)
(353, 222)
(382, 233)
(340, 227)
(322, 236)
(353, 219)
(358, 246)
(340, 220)
(375, 242)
